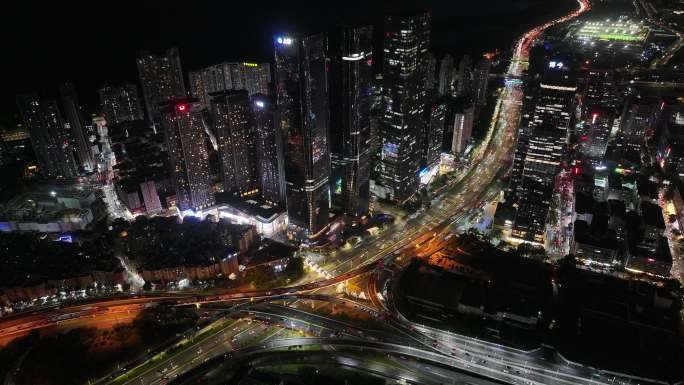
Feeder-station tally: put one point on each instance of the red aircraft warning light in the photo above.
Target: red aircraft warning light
(181, 107)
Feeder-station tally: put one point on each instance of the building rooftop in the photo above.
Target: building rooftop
(629, 300)
(270, 251)
(597, 234)
(18, 133)
(653, 215)
(46, 203)
(523, 290)
(29, 258)
(584, 203)
(622, 29)
(616, 208)
(253, 207)
(161, 242)
(647, 188)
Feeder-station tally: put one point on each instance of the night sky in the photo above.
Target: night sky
(94, 42)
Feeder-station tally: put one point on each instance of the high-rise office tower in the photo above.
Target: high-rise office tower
(269, 148)
(429, 76)
(556, 100)
(544, 155)
(161, 79)
(595, 142)
(231, 111)
(302, 99)
(405, 63)
(49, 136)
(188, 155)
(524, 132)
(446, 69)
(465, 77)
(436, 132)
(120, 103)
(598, 88)
(638, 121)
(481, 81)
(253, 77)
(545, 151)
(461, 117)
(540, 150)
(76, 121)
(425, 61)
(552, 103)
(531, 213)
(351, 76)
(377, 108)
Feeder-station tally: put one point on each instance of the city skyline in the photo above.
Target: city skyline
(120, 47)
(362, 198)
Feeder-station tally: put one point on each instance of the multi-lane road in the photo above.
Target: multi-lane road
(417, 344)
(104, 313)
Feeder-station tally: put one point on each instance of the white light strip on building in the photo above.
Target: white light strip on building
(558, 88)
(354, 57)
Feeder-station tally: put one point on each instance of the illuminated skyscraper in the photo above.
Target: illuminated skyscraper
(598, 88)
(269, 148)
(545, 151)
(405, 66)
(553, 104)
(543, 157)
(540, 152)
(350, 99)
(436, 132)
(302, 98)
(231, 113)
(461, 117)
(377, 108)
(49, 137)
(120, 103)
(595, 142)
(76, 121)
(556, 100)
(188, 156)
(161, 79)
(253, 77)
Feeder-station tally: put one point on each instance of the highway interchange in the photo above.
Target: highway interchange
(252, 323)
